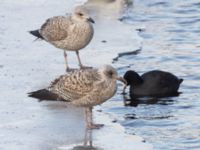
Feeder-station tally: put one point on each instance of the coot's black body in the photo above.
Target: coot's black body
(154, 83)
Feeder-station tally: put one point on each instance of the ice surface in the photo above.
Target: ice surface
(26, 66)
(111, 136)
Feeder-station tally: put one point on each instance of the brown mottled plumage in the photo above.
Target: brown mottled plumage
(85, 88)
(71, 33)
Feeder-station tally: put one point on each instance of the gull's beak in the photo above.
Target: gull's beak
(125, 84)
(91, 20)
(122, 80)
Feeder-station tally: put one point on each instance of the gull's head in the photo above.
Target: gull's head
(110, 72)
(82, 14)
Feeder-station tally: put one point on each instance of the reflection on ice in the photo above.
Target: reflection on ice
(111, 136)
(88, 142)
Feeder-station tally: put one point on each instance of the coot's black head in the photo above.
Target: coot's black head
(132, 78)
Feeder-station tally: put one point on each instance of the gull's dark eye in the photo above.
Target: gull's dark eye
(110, 73)
(80, 14)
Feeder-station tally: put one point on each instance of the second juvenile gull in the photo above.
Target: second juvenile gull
(85, 88)
(70, 33)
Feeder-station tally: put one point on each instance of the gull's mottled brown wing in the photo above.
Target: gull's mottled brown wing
(56, 28)
(75, 85)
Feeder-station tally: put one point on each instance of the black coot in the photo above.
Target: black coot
(154, 83)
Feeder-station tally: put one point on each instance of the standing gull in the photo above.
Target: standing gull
(110, 8)
(85, 88)
(72, 32)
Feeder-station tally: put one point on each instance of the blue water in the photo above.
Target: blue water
(171, 34)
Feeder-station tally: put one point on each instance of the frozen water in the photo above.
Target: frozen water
(26, 66)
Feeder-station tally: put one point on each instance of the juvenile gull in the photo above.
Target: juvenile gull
(85, 88)
(109, 8)
(70, 33)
